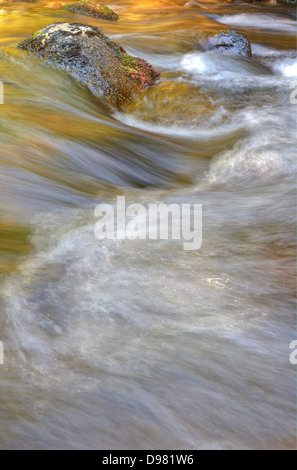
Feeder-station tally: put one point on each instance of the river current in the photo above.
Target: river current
(139, 344)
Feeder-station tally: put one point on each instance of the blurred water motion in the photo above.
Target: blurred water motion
(140, 345)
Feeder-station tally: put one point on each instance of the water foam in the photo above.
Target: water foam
(221, 65)
(287, 67)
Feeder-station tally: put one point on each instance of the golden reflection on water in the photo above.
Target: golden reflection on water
(14, 242)
(174, 20)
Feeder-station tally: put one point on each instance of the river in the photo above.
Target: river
(139, 344)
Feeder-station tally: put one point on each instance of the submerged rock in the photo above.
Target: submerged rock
(85, 53)
(92, 8)
(231, 42)
(164, 104)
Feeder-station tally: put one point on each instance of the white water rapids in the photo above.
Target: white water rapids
(140, 344)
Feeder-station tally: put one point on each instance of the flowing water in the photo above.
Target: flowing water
(140, 344)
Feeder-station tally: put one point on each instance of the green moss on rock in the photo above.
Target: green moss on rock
(129, 62)
(37, 34)
(92, 8)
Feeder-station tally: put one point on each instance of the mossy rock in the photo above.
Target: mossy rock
(86, 54)
(92, 8)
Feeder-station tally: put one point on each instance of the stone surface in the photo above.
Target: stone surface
(92, 8)
(85, 53)
(230, 42)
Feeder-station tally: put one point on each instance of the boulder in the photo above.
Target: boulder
(92, 8)
(230, 42)
(86, 54)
